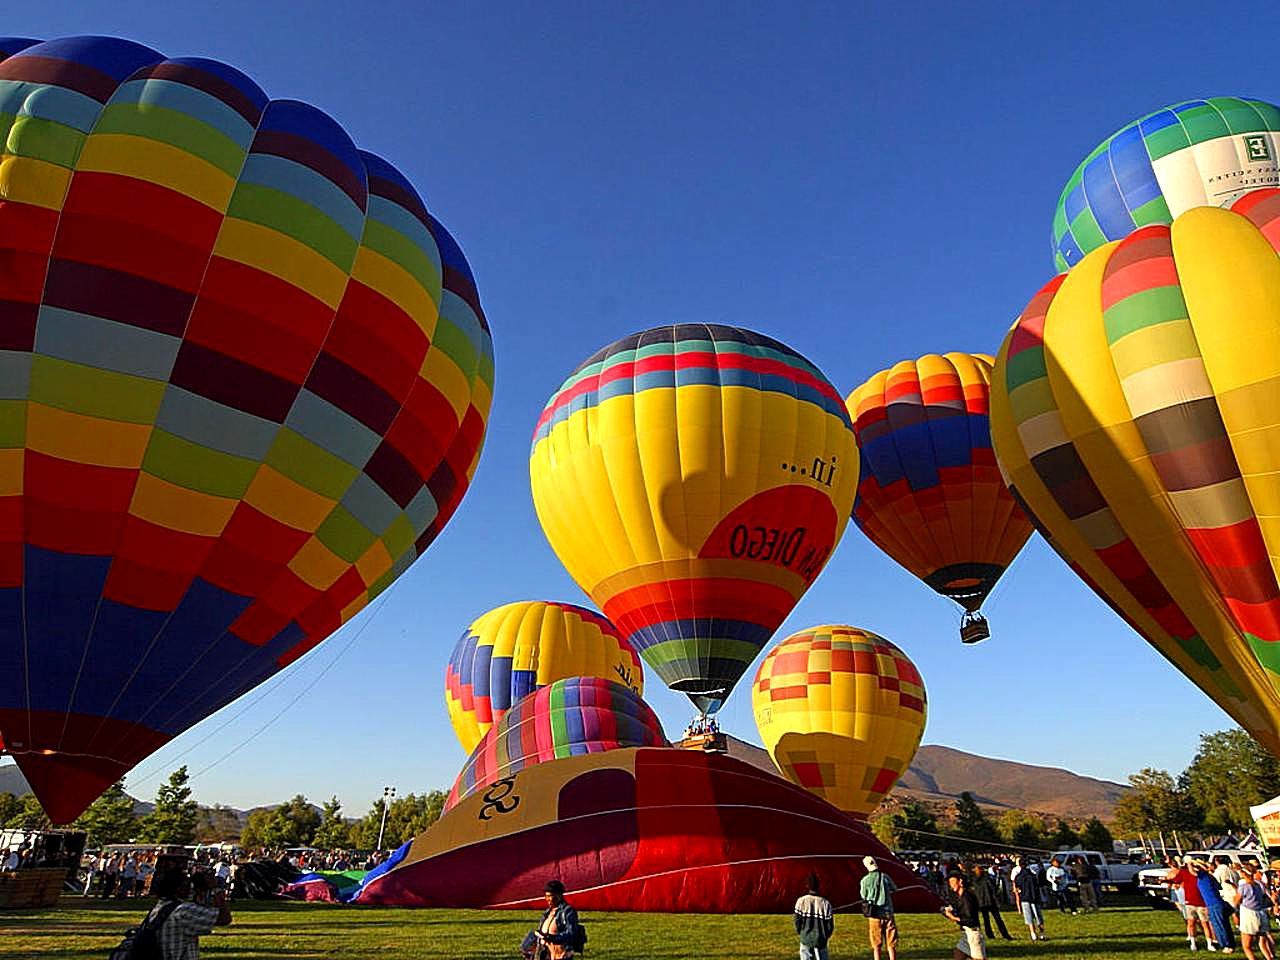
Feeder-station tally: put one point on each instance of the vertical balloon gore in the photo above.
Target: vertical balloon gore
(694, 479)
(245, 381)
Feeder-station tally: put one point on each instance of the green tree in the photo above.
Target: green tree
(292, 824)
(1154, 803)
(255, 827)
(882, 827)
(1064, 838)
(333, 833)
(914, 827)
(110, 818)
(173, 820)
(406, 818)
(217, 824)
(972, 824)
(1022, 829)
(10, 806)
(1095, 836)
(1230, 773)
(29, 816)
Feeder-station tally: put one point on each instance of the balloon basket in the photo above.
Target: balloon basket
(706, 742)
(974, 628)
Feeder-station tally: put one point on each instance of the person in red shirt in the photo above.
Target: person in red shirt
(1193, 908)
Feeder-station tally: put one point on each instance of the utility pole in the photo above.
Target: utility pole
(388, 793)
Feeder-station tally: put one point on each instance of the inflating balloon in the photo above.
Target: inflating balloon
(1136, 413)
(657, 829)
(517, 648)
(694, 479)
(841, 711)
(1193, 154)
(246, 380)
(566, 718)
(929, 492)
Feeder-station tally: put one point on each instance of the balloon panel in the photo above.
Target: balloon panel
(520, 647)
(1196, 153)
(566, 718)
(661, 830)
(1135, 414)
(929, 492)
(246, 379)
(694, 479)
(841, 711)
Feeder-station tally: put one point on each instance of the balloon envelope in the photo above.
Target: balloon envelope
(841, 711)
(246, 380)
(657, 829)
(694, 479)
(929, 492)
(517, 648)
(1136, 413)
(1191, 154)
(566, 718)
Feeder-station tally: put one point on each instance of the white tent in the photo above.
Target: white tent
(1266, 817)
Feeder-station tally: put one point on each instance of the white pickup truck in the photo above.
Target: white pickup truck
(1119, 874)
(1151, 879)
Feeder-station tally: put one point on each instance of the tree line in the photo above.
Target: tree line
(1230, 773)
(176, 818)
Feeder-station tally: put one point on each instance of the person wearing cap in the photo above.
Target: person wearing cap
(558, 931)
(963, 910)
(815, 922)
(1254, 904)
(1211, 894)
(877, 893)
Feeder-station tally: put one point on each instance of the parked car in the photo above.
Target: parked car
(1112, 871)
(1151, 879)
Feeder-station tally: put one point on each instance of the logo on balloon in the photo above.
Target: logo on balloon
(499, 798)
(1258, 148)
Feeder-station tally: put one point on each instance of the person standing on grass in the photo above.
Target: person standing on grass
(1184, 878)
(815, 922)
(987, 894)
(1026, 889)
(1059, 885)
(185, 921)
(1219, 918)
(1253, 902)
(877, 891)
(1084, 884)
(558, 932)
(963, 910)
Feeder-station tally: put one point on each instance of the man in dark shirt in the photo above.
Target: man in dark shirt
(1026, 889)
(964, 911)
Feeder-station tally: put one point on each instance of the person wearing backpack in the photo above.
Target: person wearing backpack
(560, 935)
(877, 891)
(176, 923)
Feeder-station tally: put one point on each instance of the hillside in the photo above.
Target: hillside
(940, 774)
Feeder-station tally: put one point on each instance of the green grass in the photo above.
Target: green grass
(266, 931)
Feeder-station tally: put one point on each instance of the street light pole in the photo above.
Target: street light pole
(388, 793)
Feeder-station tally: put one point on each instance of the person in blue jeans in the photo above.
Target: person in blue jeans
(1219, 918)
(814, 922)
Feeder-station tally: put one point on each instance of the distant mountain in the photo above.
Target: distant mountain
(12, 780)
(939, 775)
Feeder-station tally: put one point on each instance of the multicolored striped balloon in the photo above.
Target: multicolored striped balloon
(841, 711)
(566, 718)
(1136, 414)
(1192, 154)
(694, 479)
(517, 648)
(245, 383)
(929, 492)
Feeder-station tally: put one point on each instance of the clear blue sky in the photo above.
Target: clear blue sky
(865, 185)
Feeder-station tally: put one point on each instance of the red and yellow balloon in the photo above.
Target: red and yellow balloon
(841, 710)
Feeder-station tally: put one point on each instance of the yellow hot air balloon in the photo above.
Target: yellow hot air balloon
(841, 711)
(1136, 415)
(518, 648)
(693, 479)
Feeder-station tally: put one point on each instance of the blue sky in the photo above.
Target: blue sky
(865, 184)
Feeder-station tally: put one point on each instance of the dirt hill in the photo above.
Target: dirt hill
(940, 774)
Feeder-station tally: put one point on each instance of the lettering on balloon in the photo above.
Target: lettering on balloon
(499, 797)
(822, 471)
(793, 527)
(624, 673)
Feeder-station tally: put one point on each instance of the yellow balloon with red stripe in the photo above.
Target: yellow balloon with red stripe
(841, 710)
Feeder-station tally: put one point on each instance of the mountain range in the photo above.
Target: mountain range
(936, 777)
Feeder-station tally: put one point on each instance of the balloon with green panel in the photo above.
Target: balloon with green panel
(1192, 154)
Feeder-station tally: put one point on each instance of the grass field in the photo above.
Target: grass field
(89, 929)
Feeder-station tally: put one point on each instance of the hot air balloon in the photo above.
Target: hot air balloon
(651, 829)
(929, 492)
(1136, 414)
(520, 647)
(1192, 154)
(693, 479)
(841, 711)
(246, 383)
(566, 718)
